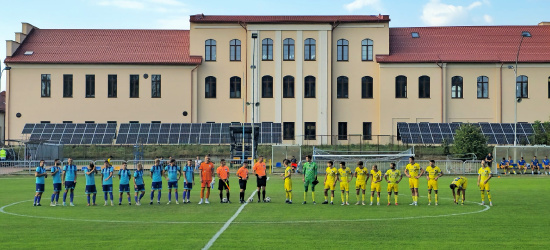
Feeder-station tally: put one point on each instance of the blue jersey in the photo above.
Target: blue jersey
(70, 172)
(124, 176)
(138, 176)
(503, 163)
(521, 162)
(157, 173)
(40, 170)
(90, 178)
(105, 172)
(535, 162)
(511, 162)
(172, 172)
(56, 177)
(188, 173)
(546, 162)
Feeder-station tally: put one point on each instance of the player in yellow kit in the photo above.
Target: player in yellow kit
(375, 184)
(434, 172)
(393, 183)
(361, 177)
(483, 182)
(344, 176)
(461, 183)
(414, 172)
(330, 182)
(288, 181)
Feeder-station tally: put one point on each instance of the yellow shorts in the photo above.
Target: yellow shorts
(344, 186)
(413, 183)
(432, 184)
(361, 185)
(393, 187)
(485, 187)
(375, 187)
(288, 185)
(521, 166)
(329, 185)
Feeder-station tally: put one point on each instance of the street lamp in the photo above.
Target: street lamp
(517, 98)
(1, 72)
(254, 103)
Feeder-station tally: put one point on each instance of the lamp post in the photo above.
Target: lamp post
(254, 104)
(2, 72)
(517, 98)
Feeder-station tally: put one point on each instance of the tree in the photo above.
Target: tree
(541, 133)
(470, 139)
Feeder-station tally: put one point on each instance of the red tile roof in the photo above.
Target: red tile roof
(95, 46)
(489, 44)
(200, 18)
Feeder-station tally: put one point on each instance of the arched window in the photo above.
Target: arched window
(288, 87)
(366, 87)
(235, 50)
(235, 87)
(309, 87)
(482, 87)
(456, 87)
(288, 49)
(210, 50)
(366, 50)
(400, 87)
(309, 49)
(210, 87)
(267, 87)
(267, 49)
(424, 87)
(342, 50)
(522, 87)
(342, 87)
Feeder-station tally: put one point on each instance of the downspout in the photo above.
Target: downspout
(245, 70)
(8, 99)
(192, 92)
(500, 97)
(441, 67)
(334, 25)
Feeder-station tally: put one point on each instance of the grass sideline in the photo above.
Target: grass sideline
(518, 219)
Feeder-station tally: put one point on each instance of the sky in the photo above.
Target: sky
(174, 14)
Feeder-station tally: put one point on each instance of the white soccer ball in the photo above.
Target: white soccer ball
(250, 200)
(267, 199)
(224, 200)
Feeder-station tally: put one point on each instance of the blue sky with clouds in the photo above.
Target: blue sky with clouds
(174, 14)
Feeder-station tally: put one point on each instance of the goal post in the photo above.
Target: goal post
(281, 152)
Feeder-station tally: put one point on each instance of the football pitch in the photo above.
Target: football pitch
(518, 219)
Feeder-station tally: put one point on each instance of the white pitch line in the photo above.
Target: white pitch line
(226, 225)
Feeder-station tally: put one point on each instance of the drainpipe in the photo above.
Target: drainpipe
(191, 113)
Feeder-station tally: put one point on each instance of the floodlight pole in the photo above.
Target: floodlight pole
(1, 72)
(253, 67)
(516, 97)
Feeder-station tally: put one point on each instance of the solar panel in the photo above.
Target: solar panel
(27, 129)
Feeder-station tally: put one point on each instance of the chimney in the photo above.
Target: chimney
(544, 23)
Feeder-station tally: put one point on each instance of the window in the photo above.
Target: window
(210, 50)
(67, 85)
(67, 121)
(235, 87)
(456, 87)
(45, 82)
(401, 87)
(155, 86)
(366, 50)
(210, 87)
(309, 131)
(112, 122)
(90, 86)
(288, 130)
(134, 86)
(309, 87)
(45, 122)
(342, 131)
(424, 87)
(288, 49)
(342, 50)
(92, 122)
(288, 87)
(267, 49)
(112, 86)
(133, 122)
(367, 130)
(483, 87)
(235, 50)
(155, 122)
(342, 87)
(522, 87)
(267, 87)
(366, 87)
(309, 49)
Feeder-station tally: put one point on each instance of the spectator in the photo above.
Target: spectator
(489, 160)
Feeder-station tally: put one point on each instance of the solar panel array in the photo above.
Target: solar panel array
(434, 133)
(72, 133)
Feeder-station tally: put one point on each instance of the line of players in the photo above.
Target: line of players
(172, 173)
(393, 176)
(508, 166)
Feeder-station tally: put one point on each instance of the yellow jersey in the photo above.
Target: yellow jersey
(393, 175)
(376, 175)
(433, 172)
(459, 181)
(413, 169)
(344, 174)
(484, 172)
(361, 174)
(288, 170)
(331, 174)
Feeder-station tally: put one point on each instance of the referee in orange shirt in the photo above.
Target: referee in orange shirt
(223, 183)
(261, 178)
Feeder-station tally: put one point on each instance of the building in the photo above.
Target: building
(324, 78)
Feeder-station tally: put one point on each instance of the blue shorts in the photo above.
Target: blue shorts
(124, 188)
(57, 187)
(157, 185)
(91, 189)
(188, 185)
(140, 187)
(70, 185)
(39, 188)
(108, 188)
(173, 184)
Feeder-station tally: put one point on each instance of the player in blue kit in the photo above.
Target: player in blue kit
(69, 178)
(156, 174)
(107, 181)
(546, 165)
(56, 176)
(139, 186)
(40, 175)
(535, 165)
(188, 180)
(90, 183)
(174, 174)
(124, 175)
(521, 166)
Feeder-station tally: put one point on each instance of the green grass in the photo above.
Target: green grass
(518, 219)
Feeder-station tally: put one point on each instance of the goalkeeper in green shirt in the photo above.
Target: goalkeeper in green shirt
(310, 177)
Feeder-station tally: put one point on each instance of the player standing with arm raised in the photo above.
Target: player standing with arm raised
(414, 172)
(344, 176)
(124, 175)
(139, 186)
(223, 182)
(361, 177)
(90, 183)
(206, 169)
(40, 175)
(434, 172)
(69, 178)
(188, 180)
(375, 184)
(56, 176)
(261, 177)
(484, 175)
(242, 173)
(330, 182)
(174, 174)
(393, 183)
(309, 170)
(156, 174)
(107, 182)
